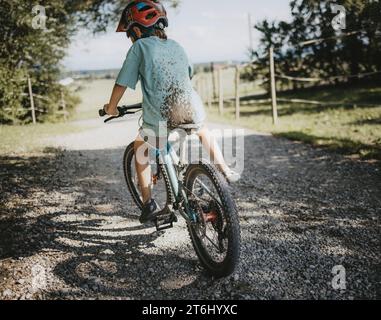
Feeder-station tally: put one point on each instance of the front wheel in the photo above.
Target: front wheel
(216, 234)
(161, 190)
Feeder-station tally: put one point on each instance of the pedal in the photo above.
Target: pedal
(165, 220)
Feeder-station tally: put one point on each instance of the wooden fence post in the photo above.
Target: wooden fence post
(199, 86)
(221, 92)
(63, 104)
(212, 67)
(31, 100)
(209, 93)
(273, 86)
(205, 87)
(237, 95)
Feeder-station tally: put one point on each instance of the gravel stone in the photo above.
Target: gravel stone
(7, 293)
(302, 212)
(108, 252)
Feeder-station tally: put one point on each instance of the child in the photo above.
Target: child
(168, 96)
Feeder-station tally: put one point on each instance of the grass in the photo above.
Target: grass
(95, 93)
(31, 138)
(355, 131)
(351, 130)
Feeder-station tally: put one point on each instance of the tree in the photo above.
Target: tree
(346, 52)
(29, 51)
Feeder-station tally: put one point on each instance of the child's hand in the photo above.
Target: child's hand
(111, 110)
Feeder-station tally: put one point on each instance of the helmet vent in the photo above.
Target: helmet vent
(151, 15)
(141, 6)
(145, 8)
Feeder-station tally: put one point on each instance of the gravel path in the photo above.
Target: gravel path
(69, 230)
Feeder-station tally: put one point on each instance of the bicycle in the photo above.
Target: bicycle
(211, 217)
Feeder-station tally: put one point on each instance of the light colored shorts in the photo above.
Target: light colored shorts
(160, 141)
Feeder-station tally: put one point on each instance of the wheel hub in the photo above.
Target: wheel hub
(210, 216)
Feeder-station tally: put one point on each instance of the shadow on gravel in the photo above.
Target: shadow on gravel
(307, 210)
(302, 211)
(61, 205)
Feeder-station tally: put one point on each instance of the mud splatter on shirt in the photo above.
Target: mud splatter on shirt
(164, 70)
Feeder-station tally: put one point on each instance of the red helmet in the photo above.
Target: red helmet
(143, 12)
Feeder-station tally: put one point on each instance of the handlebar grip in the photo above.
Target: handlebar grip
(102, 113)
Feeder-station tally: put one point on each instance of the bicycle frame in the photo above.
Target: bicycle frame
(169, 159)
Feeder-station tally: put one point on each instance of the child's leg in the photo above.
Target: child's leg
(211, 145)
(143, 168)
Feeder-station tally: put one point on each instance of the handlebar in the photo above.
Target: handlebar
(123, 111)
(102, 113)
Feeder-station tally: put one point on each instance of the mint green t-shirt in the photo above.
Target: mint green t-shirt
(165, 73)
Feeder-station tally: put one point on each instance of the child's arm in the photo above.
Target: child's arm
(116, 96)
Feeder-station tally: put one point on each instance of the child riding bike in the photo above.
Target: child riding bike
(169, 99)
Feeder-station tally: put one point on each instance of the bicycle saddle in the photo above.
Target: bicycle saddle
(190, 128)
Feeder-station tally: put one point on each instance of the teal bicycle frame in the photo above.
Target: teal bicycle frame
(169, 158)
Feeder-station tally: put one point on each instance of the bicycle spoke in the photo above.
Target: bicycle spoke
(208, 191)
(196, 196)
(215, 245)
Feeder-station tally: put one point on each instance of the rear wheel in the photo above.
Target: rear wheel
(216, 235)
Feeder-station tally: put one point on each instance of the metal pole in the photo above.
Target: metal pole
(273, 86)
(31, 100)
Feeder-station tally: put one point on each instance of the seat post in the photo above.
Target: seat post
(183, 150)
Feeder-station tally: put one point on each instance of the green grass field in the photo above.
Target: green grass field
(355, 131)
(95, 93)
(352, 130)
(32, 138)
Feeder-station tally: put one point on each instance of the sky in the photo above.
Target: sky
(209, 30)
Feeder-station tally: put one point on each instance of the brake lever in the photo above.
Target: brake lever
(111, 118)
(119, 116)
